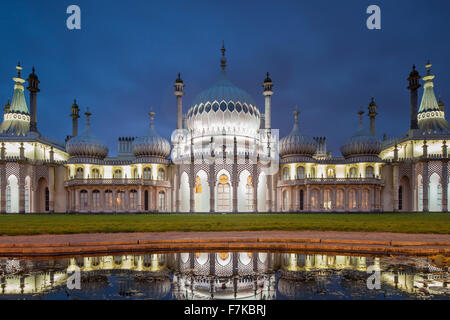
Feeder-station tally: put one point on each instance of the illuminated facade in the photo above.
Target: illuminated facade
(224, 156)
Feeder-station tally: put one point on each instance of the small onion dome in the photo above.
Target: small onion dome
(297, 143)
(7, 107)
(441, 105)
(86, 145)
(362, 143)
(179, 80)
(267, 79)
(151, 145)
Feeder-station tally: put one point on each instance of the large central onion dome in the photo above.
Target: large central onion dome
(296, 143)
(151, 145)
(86, 145)
(361, 144)
(223, 108)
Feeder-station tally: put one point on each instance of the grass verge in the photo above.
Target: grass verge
(438, 223)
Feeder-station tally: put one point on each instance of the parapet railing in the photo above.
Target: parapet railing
(116, 181)
(293, 182)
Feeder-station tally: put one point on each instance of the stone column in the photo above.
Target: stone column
(444, 183)
(77, 200)
(269, 207)
(139, 200)
(306, 199)
(212, 187)
(291, 196)
(51, 188)
(21, 185)
(177, 190)
(425, 186)
(395, 185)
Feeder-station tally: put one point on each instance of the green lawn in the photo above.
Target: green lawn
(85, 223)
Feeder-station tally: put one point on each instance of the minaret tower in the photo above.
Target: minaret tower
(33, 87)
(267, 93)
(179, 92)
(372, 114)
(75, 115)
(414, 84)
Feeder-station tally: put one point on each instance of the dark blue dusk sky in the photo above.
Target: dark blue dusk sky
(320, 55)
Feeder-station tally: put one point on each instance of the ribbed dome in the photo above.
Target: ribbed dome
(362, 143)
(223, 107)
(431, 118)
(86, 144)
(297, 143)
(151, 145)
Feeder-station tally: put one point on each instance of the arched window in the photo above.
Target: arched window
(352, 199)
(400, 198)
(108, 199)
(95, 173)
(435, 193)
(47, 199)
(12, 195)
(353, 172)
(161, 174)
(369, 172)
(300, 172)
(314, 199)
(135, 173)
(133, 200)
(327, 199)
(27, 195)
(146, 200)
(286, 175)
(80, 173)
(302, 201)
(84, 201)
(147, 173)
(96, 200)
(331, 173)
(365, 199)
(120, 200)
(162, 201)
(340, 199)
(313, 172)
(249, 193)
(223, 194)
(117, 174)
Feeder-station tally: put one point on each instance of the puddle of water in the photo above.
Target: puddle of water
(224, 275)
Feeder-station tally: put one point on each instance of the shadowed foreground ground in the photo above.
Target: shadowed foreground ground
(438, 223)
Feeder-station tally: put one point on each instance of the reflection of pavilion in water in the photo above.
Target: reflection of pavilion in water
(227, 275)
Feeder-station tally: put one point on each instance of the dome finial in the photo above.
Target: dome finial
(361, 112)
(223, 61)
(88, 115)
(152, 117)
(428, 66)
(296, 113)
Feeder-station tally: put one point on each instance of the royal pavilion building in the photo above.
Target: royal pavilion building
(224, 156)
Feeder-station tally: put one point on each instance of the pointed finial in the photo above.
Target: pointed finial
(223, 48)
(361, 112)
(87, 114)
(223, 61)
(296, 113)
(428, 66)
(152, 117)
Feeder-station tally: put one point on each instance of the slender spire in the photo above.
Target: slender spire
(361, 112)
(223, 61)
(88, 120)
(152, 118)
(296, 113)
